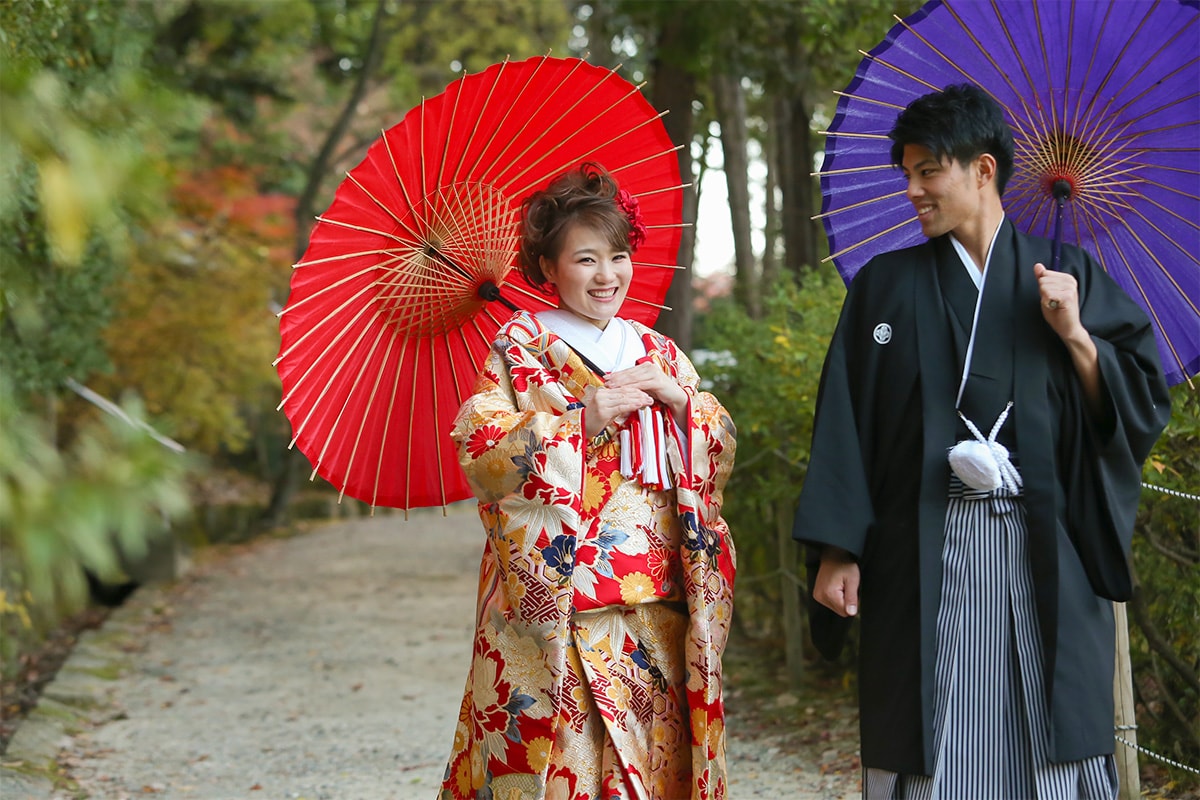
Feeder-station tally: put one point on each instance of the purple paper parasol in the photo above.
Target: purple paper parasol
(1103, 95)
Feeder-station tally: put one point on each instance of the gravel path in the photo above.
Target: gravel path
(326, 665)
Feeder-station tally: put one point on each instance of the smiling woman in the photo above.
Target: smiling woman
(597, 653)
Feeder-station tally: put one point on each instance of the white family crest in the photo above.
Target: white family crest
(882, 333)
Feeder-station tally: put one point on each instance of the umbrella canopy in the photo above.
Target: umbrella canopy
(391, 311)
(1104, 95)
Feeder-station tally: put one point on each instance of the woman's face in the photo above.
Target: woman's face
(591, 277)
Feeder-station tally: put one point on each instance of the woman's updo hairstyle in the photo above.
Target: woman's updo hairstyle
(585, 195)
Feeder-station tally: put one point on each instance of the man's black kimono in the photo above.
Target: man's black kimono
(878, 476)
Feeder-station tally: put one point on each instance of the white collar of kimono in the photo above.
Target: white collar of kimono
(615, 347)
(979, 278)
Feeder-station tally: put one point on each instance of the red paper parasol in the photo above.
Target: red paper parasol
(390, 315)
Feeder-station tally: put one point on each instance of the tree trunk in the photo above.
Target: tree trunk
(796, 157)
(770, 262)
(295, 463)
(730, 105)
(674, 90)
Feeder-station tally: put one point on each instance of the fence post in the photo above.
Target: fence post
(789, 593)
(1127, 757)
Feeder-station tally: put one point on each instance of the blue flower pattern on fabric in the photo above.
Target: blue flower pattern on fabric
(560, 554)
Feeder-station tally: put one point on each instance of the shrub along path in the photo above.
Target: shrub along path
(330, 664)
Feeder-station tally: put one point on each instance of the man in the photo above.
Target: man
(986, 646)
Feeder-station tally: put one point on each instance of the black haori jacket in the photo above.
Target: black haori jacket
(878, 475)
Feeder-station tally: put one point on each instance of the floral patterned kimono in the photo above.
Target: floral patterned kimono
(604, 603)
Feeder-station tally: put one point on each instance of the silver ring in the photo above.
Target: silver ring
(1052, 304)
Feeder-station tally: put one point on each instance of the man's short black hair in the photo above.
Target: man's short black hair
(961, 122)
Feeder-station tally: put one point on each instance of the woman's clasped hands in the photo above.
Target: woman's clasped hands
(628, 390)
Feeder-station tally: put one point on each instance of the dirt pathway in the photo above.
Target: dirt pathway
(328, 665)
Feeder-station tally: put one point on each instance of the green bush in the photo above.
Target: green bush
(766, 372)
(1164, 617)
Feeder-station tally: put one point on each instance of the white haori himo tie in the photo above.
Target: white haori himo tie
(983, 464)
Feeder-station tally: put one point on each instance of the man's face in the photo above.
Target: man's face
(944, 193)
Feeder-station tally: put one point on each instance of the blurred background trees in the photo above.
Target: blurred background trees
(163, 162)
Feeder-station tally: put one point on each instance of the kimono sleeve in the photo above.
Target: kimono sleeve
(709, 444)
(519, 434)
(835, 503)
(1103, 456)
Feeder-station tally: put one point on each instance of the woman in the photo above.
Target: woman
(606, 587)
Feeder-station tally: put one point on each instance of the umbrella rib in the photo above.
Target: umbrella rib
(869, 239)
(547, 174)
(859, 204)
(659, 266)
(340, 257)
(458, 85)
(855, 135)
(871, 100)
(982, 50)
(353, 298)
(1117, 59)
(487, 101)
(527, 119)
(291, 307)
(387, 145)
(632, 299)
(329, 385)
(437, 425)
(855, 170)
(362, 423)
(350, 393)
(547, 126)
(631, 164)
(360, 228)
(385, 209)
(387, 422)
(1146, 299)
(408, 456)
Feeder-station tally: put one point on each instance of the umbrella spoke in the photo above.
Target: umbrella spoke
(504, 156)
(329, 384)
(400, 222)
(871, 238)
(340, 282)
(387, 423)
(853, 206)
(658, 266)
(437, 424)
(355, 298)
(349, 395)
(547, 175)
(340, 257)
(584, 127)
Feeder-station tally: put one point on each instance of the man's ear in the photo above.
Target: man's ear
(985, 166)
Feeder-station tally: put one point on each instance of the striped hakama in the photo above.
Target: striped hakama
(991, 735)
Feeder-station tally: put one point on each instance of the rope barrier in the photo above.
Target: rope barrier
(1152, 754)
(1172, 492)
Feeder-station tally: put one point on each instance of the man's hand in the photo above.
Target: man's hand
(1060, 308)
(837, 582)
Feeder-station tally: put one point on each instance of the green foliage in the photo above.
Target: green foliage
(85, 507)
(1165, 616)
(767, 376)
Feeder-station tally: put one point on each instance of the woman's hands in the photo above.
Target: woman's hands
(605, 405)
(627, 390)
(650, 378)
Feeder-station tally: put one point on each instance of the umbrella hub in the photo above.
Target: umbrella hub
(458, 238)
